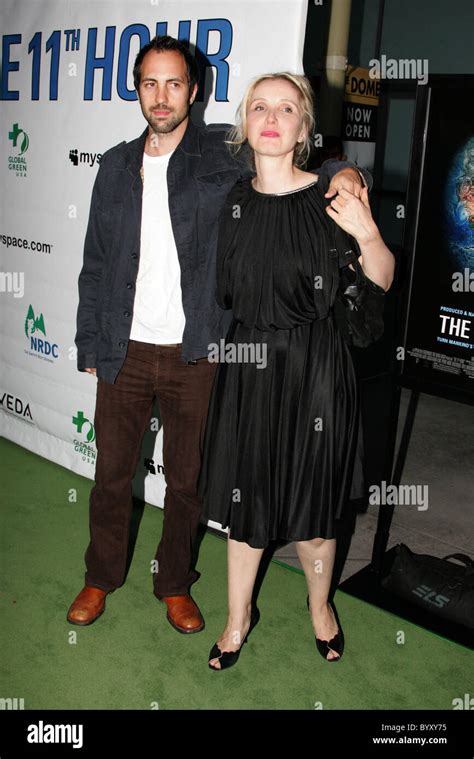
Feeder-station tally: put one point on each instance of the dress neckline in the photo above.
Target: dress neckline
(278, 194)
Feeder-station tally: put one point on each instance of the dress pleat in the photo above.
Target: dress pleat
(282, 449)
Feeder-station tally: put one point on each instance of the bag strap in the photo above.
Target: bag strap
(460, 557)
(343, 247)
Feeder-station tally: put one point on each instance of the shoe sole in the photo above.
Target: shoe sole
(84, 624)
(183, 630)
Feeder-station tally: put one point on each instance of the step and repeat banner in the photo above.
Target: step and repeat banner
(66, 97)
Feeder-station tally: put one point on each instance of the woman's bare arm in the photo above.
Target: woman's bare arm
(353, 214)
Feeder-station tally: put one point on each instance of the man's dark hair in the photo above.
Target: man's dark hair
(332, 147)
(162, 44)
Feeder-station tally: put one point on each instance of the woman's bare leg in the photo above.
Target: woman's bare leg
(317, 559)
(242, 567)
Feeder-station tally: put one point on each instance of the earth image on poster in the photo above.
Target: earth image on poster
(459, 206)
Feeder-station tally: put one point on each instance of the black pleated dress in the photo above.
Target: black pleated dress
(282, 431)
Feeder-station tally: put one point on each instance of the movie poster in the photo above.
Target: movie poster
(439, 339)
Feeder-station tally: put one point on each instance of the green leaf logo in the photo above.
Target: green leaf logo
(24, 143)
(33, 323)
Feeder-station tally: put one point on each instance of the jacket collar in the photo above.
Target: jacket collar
(190, 145)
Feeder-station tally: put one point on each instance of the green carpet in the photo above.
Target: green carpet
(131, 658)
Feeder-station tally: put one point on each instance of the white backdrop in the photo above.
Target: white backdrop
(60, 111)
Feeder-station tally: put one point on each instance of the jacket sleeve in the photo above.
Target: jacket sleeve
(331, 167)
(229, 218)
(89, 280)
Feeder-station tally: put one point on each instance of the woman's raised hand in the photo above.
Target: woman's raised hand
(353, 214)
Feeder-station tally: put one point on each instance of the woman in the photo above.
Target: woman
(281, 430)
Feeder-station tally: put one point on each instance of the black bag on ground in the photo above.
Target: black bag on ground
(437, 585)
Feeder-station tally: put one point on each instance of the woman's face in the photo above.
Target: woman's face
(274, 118)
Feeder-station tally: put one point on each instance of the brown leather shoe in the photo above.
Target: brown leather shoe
(87, 606)
(183, 614)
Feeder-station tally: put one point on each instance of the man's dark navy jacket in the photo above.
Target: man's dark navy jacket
(201, 172)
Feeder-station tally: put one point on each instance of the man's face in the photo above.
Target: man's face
(164, 91)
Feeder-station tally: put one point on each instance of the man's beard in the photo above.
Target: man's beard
(160, 126)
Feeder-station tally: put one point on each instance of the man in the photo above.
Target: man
(147, 314)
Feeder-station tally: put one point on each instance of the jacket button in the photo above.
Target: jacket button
(129, 285)
(121, 344)
(134, 255)
(126, 313)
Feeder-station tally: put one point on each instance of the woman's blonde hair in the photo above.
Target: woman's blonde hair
(237, 136)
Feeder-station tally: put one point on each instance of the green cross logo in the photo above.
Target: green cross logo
(79, 421)
(14, 135)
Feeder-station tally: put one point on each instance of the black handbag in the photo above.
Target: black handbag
(437, 585)
(359, 303)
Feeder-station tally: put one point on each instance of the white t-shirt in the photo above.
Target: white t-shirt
(158, 315)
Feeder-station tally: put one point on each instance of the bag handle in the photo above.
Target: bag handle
(341, 243)
(460, 557)
(344, 249)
